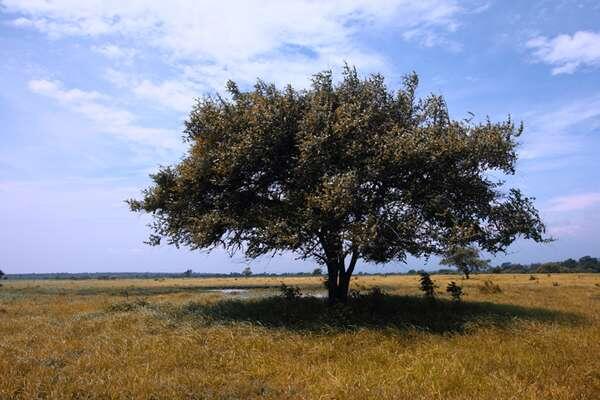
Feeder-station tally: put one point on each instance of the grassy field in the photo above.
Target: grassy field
(183, 338)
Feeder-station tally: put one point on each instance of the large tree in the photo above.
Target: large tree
(338, 173)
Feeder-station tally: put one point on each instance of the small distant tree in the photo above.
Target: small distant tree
(188, 273)
(318, 271)
(466, 259)
(426, 285)
(247, 272)
(2, 274)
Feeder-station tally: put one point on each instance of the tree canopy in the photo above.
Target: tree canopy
(337, 173)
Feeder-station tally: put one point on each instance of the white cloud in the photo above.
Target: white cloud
(53, 89)
(230, 29)
(242, 35)
(115, 52)
(567, 53)
(574, 202)
(428, 38)
(117, 78)
(108, 119)
(206, 43)
(172, 94)
(178, 95)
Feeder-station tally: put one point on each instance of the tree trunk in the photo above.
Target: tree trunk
(332, 283)
(339, 278)
(338, 288)
(343, 286)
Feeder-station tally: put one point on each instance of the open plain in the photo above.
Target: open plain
(188, 338)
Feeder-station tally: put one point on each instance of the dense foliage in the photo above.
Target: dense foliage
(338, 173)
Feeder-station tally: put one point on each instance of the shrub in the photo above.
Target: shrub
(375, 296)
(490, 287)
(554, 283)
(454, 290)
(354, 294)
(290, 292)
(376, 292)
(532, 278)
(427, 285)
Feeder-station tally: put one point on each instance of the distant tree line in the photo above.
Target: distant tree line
(155, 275)
(584, 264)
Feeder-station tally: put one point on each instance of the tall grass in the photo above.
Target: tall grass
(147, 339)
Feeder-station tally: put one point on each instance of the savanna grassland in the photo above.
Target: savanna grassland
(182, 338)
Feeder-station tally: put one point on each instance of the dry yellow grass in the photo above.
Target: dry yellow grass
(79, 339)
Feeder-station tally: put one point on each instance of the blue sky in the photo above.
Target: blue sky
(93, 95)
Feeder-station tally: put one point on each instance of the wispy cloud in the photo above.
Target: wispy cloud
(565, 229)
(176, 95)
(108, 119)
(567, 53)
(574, 202)
(117, 53)
(231, 29)
(572, 215)
(206, 43)
(560, 131)
(246, 40)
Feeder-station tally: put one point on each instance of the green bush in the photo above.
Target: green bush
(455, 291)
(290, 292)
(426, 285)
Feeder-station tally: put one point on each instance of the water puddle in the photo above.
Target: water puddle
(318, 295)
(259, 292)
(229, 291)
